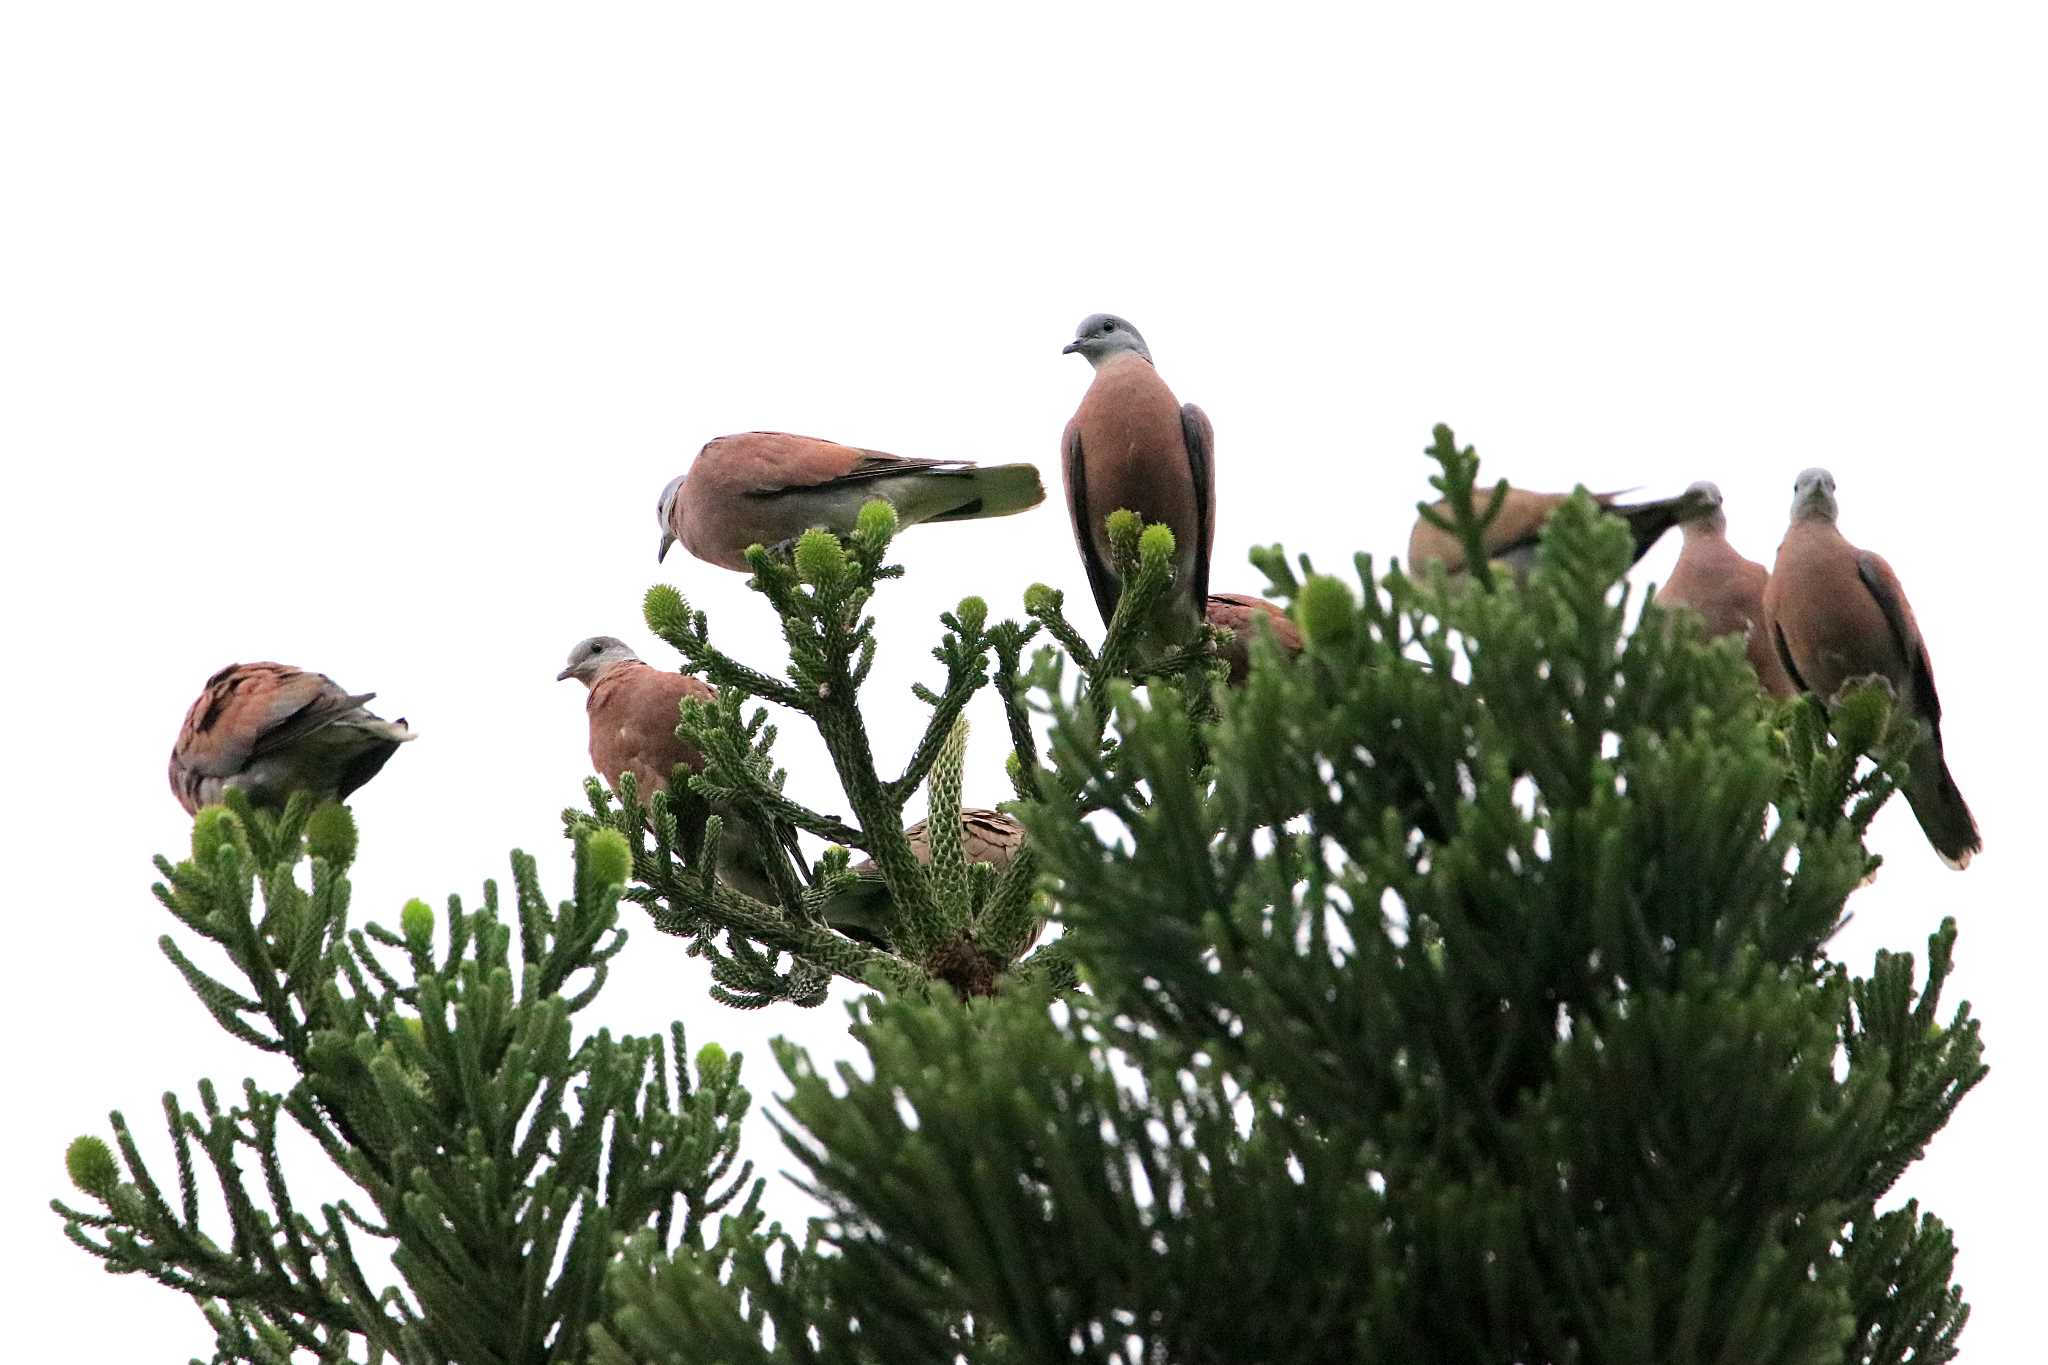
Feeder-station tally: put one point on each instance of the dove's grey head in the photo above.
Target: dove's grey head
(592, 657)
(1813, 496)
(1103, 335)
(1703, 508)
(669, 493)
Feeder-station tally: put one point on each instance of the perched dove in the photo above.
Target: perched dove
(1238, 614)
(634, 711)
(270, 730)
(1837, 613)
(768, 488)
(1726, 589)
(1132, 444)
(1512, 535)
(986, 836)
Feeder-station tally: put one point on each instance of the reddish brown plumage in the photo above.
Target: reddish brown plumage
(1727, 590)
(633, 709)
(271, 729)
(1513, 533)
(1240, 614)
(1837, 613)
(769, 487)
(986, 836)
(1128, 446)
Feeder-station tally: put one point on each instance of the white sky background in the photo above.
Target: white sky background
(365, 339)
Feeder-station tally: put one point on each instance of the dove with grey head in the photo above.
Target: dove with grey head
(769, 487)
(1726, 588)
(1132, 444)
(635, 711)
(1836, 613)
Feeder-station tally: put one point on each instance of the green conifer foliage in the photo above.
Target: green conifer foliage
(498, 1156)
(949, 925)
(1460, 993)
(1456, 990)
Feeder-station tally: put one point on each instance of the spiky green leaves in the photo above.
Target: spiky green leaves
(214, 828)
(819, 559)
(607, 859)
(665, 611)
(331, 835)
(452, 1093)
(876, 525)
(416, 921)
(90, 1164)
(1325, 610)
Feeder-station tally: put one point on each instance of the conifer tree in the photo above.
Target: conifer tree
(498, 1157)
(1456, 990)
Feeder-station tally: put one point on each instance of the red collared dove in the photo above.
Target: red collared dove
(1837, 613)
(1132, 444)
(1512, 536)
(1239, 615)
(768, 488)
(986, 836)
(270, 729)
(1726, 589)
(634, 712)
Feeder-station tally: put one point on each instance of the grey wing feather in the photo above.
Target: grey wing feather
(1200, 439)
(1785, 658)
(874, 464)
(1101, 582)
(1912, 650)
(330, 705)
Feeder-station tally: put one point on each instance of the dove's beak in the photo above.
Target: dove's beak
(565, 675)
(668, 538)
(1071, 347)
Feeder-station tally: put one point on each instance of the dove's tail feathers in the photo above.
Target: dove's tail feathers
(1943, 814)
(1648, 521)
(997, 490)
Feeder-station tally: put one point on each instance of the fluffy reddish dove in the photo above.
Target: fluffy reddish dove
(1837, 613)
(768, 488)
(270, 730)
(1512, 535)
(1725, 588)
(986, 836)
(634, 711)
(1239, 615)
(1132, 444)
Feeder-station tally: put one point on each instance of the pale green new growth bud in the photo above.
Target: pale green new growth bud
(213, 829)
(972, 614)
(417, 920)
(90, 1164)
(608, 858)
(711, 1058)
(1156, 545)
(665, 610)
(1863, 713)
(1039, 599)
(876, 522)
(819, 559)
(331, 834)
(1123, 533)
(1325, 609)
